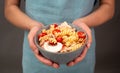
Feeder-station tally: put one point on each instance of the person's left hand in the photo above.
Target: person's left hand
(83, 54)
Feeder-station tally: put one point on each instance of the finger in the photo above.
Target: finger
(70, 63)
(89, 34)
(46, 61)
(88, 31)
(82, 56)
(55, 65)
(79, 58)
(31, 37)
(36, 51)
(43, 60)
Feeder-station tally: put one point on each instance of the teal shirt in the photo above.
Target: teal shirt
(47, 11)
(51, 11)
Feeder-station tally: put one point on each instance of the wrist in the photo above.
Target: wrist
(33, 24)
(80, 21)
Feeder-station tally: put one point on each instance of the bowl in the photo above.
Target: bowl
(60, 58)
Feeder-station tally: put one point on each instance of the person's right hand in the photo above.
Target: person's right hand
(38, 55)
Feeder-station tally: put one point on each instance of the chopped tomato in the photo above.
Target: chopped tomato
(52, 43)
(59, 39)
(81, 34)
(55, 25)
(42, 34)
(63, 46)
(56, 31)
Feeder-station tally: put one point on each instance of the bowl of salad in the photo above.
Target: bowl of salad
(61, 42)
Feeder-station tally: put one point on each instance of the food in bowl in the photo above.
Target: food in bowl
(61, 38)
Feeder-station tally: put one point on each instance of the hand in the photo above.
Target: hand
(88, 31)
(31, 34)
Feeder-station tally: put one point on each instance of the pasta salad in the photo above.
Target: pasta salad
(61, 38)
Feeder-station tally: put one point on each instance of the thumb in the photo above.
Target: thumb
(31, 39)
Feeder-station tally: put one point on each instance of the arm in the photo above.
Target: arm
(17, 17)
(21, 20)
(104, 13)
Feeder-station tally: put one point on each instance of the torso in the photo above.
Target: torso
(48, 12)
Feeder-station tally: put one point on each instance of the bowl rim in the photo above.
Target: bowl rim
(73, 26)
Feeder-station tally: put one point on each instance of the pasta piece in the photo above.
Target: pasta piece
(75, 47)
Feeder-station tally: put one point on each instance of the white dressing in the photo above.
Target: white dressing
(52, 48)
